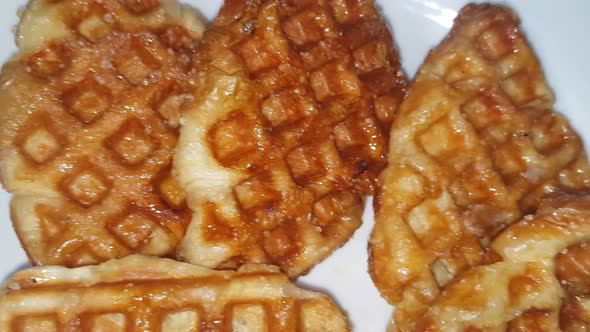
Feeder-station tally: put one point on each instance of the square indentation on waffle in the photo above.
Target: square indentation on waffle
(145, 55)
(491, 114)
(171, 191)
(446, 143)
(352, 11)
(236, 140)
(475, 185)
(510, 157)
(44, 323)
(168, 101)
(257, 54)
(278, 79)
(309, 26)
(255, 192)
(329, 210)
(386, 107)
(288, 107)
(498, 40)
(316, 56)
(310, 311)
(111, 322)
(432, 225)
(131, 142)
(48, 62)
(317, 165)
(468, 71)
(88, 99)
(134, 230)
(358, 132)
(41, 145)
(38, 140)
(411, 186)
(94, 28)
(523, 90)
(370, 56)
(249, 317)
(548, 132)
(86, 185)
(52, 226)
(281, 242)
(183, 320)
(336, 79)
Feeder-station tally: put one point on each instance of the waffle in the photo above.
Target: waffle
(573, 271)
(475, 145)
(138, 293)
(287, 132)
(89, 125)
(533, 286)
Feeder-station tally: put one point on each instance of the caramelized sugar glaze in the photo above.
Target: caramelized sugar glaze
(138, 293)
(538, 282)
(289, 131)
(475, 146)
(89, 126)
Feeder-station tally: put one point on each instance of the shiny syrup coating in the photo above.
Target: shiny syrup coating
(139, 293)
(538, 283)
(90, 123)
(305, 130)
(475, 146)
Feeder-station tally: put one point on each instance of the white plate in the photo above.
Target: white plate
(559, 34)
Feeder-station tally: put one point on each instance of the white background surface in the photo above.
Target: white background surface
(558, 32)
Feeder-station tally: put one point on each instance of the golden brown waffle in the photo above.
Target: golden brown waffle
(475, 145)
(89, 124)
(573, 271)
(287, 132)
(138, 293)
(539, 282)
